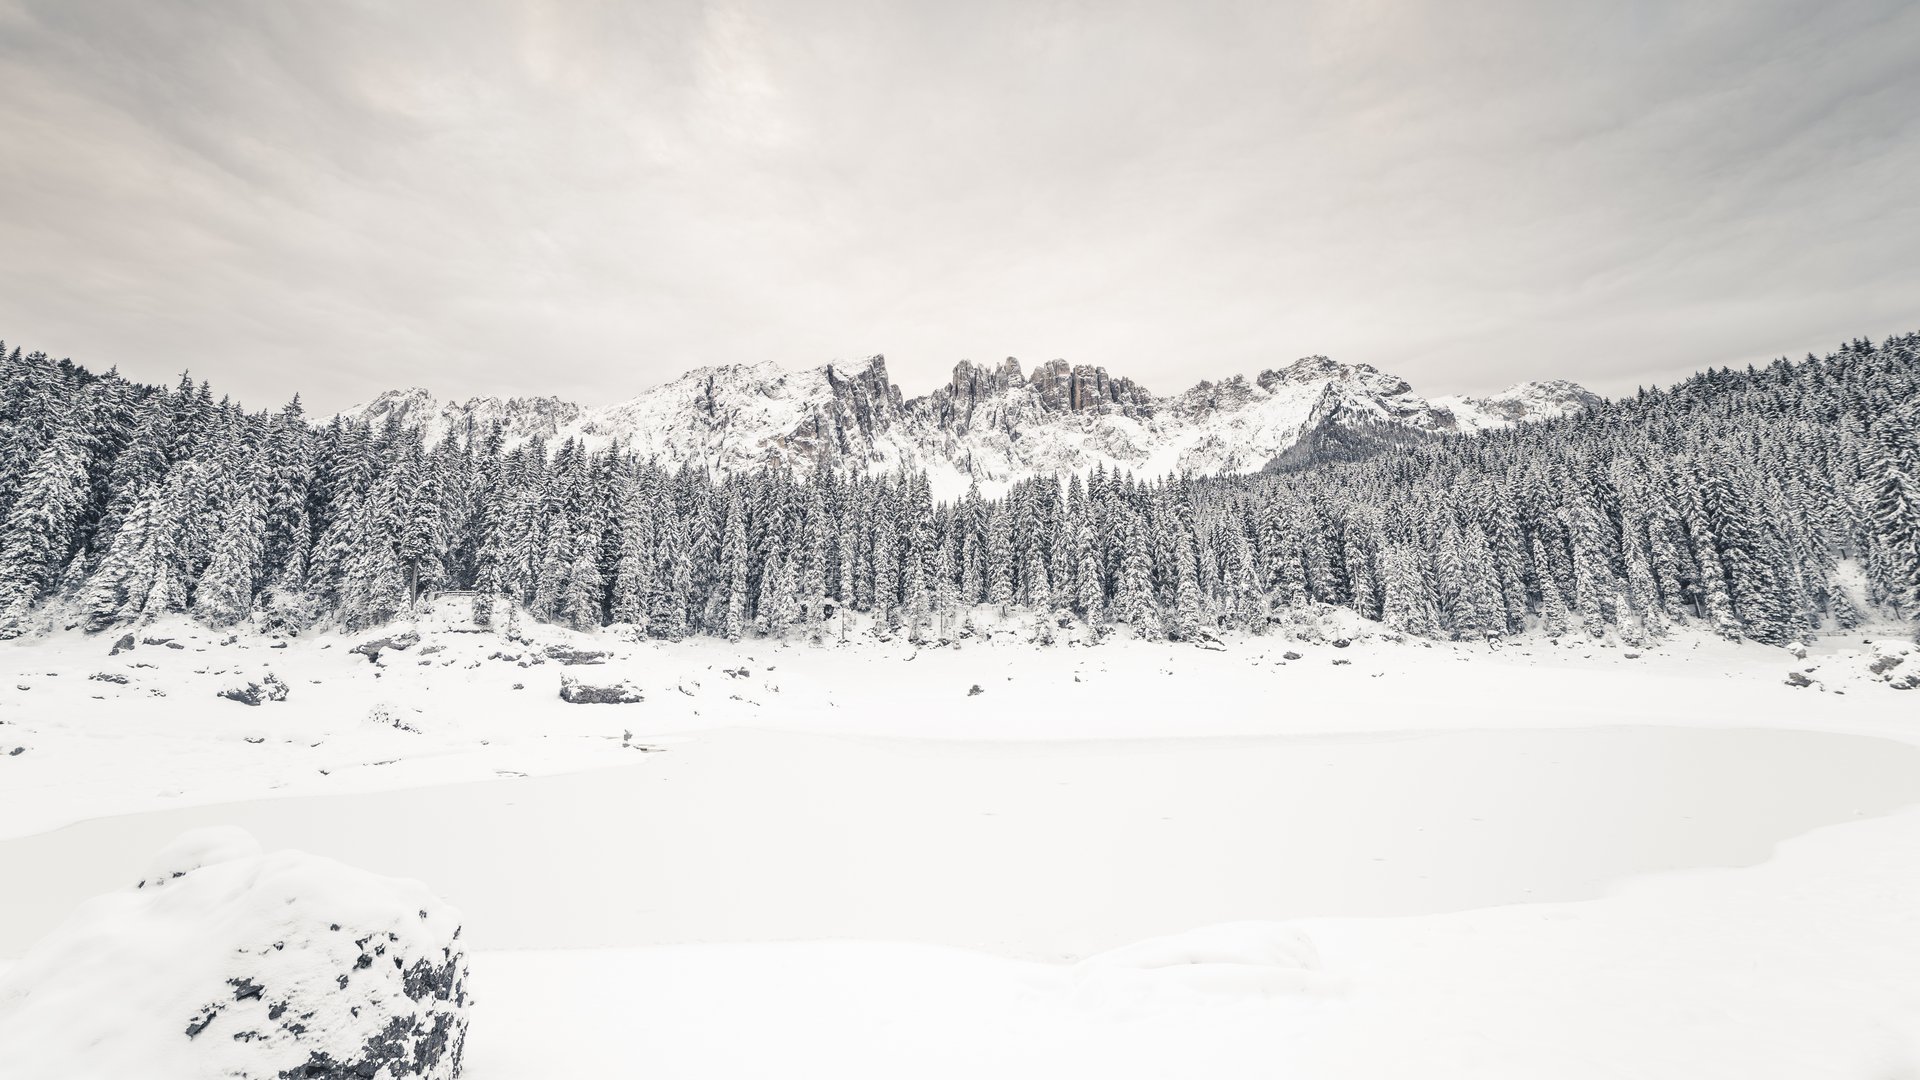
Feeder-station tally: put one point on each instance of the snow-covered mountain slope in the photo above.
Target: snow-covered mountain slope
(1528, 401)
(520, 418)
(990, 425)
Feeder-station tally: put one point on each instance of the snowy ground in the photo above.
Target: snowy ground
(767, 865)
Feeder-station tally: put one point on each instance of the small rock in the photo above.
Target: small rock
(108, 676)
(1341, 643)
(125, 644)
(974, 690)
(1794, 678)
(1289, 655)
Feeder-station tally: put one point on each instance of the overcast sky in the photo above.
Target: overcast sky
(586, 198)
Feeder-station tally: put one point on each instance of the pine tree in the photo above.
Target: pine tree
(1893, 498)
(37, 533)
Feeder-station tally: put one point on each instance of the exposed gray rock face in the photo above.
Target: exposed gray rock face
(1003, 398)
(860, 407)
(227, 962)
(125, 644)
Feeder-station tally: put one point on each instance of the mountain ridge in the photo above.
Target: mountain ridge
(987, 424)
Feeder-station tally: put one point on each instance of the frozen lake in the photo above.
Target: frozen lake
(1038, 850)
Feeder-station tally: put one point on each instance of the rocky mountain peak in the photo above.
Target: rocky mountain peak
(988, 423)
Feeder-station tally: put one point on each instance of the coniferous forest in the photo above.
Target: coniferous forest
(1762, 504)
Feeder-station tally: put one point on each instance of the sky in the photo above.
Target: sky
(587, 198)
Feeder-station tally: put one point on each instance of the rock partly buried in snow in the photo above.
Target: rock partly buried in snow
(580, 692)
(235, 964)
(397, 642)
(125, 644)
(1795, 678)
(571, 656)
(268, 688)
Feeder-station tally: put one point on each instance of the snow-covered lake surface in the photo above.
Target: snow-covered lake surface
(1039, 850)
(1574, 859)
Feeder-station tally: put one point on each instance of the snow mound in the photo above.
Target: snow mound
(1243, 959)
(243, 965)
(196, 848)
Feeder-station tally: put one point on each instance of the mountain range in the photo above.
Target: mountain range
(993, 425)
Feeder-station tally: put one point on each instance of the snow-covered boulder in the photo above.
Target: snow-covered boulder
(266, 688)
(395, 642)
(577, 691)
(223, 961)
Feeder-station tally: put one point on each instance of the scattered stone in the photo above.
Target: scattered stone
(1884, 663)
(108, 676)
(125, 644)
(1631, 655)
(269, 688)
(1289, 655)
(16, 751)
(519, 686)
(278, 645)
(576, 692)
(389, 715)
(1341, 643)
(974, 690)
(1341, 663)
(1794, 678)
(153, 641)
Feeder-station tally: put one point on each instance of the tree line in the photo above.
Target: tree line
(1764, 503)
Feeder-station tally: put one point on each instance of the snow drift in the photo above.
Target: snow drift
(223, 961)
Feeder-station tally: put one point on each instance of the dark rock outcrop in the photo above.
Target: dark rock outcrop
(1004, 397)
(862, 404)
